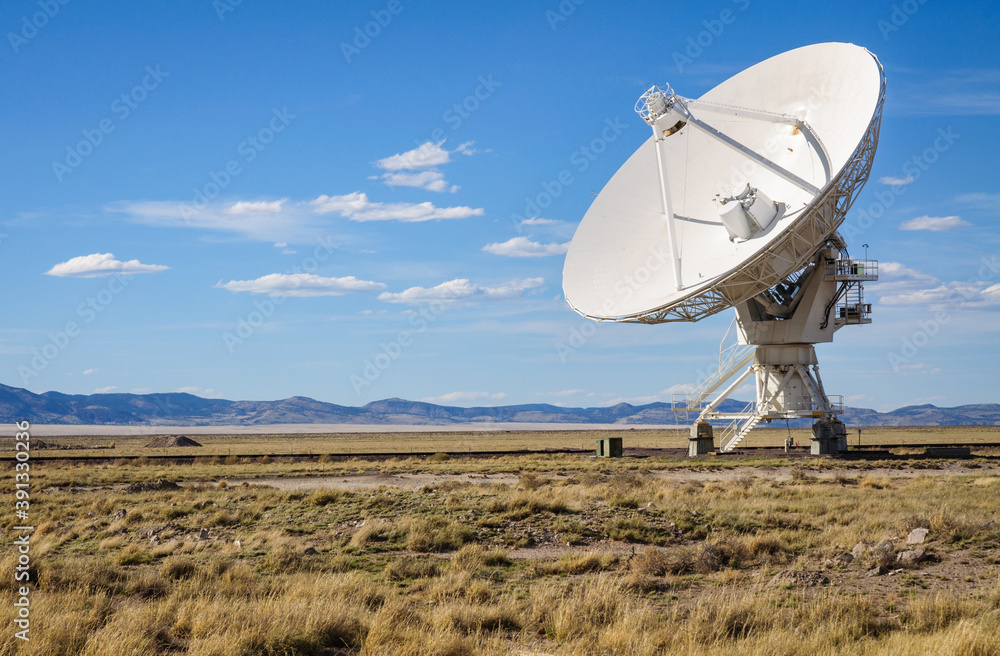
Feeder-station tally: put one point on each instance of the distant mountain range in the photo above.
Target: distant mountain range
(177, 409)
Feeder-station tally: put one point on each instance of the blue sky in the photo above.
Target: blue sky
(256, 200)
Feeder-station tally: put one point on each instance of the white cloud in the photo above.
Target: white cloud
(933, 223)
(90, 371)
(915, 369)
(357, 207)
(563, 393)
(458, 397)
(294, 222)
(901, 285)
(101, 264)
(197, 391)
(896, 182)
(426, 155)
(462, 290)
(539, 221)
(524, 247)
(281, 244)
(981, 201)
(421, 164)
(301, 285)
(962, 92)
(429, 180)
(105, 390)
(258, 207)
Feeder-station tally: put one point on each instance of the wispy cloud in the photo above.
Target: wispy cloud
(105, 390)
(462, 289)
(301, 285)
(256, 207)
(281, 221)
(565, 393)
(460, 397)
(982, 201)
(357, 207)
(896, 182)
(539, 221)
(961, 92)
(101, 264)
(197, 391)
(267, 221)
(934, 223)
(524, 247)
(915, 369)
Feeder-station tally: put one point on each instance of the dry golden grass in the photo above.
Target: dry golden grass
(451, 569)
(237, 449)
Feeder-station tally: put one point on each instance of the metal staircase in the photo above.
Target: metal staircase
(733, 357)
(736, 432)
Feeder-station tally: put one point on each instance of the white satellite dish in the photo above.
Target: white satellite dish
(735, 202)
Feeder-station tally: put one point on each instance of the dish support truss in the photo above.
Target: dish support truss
(775, 335)
(793, 248)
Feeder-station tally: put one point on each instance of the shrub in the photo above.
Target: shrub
(375, 530)
(325, 495)
(436, 535)
(179, 568)
(133, 554)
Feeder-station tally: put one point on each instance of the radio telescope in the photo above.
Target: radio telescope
(734, 202)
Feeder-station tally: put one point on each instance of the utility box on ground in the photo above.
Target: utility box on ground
(609, 447)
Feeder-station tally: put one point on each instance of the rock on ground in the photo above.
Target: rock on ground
(910, 556)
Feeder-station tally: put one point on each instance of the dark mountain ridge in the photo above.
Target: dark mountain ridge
(181, 409)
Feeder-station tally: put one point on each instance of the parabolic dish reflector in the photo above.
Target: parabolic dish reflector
(799, 128)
